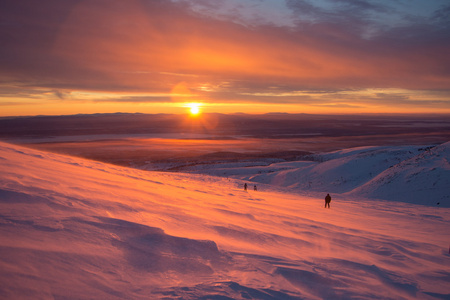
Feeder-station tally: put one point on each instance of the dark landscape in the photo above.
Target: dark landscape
(176, 140)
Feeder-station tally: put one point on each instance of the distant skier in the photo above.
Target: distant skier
(327, 200)
(254, 188)
(245, 186)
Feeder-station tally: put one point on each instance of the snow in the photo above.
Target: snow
(77, 229)
(422, 179)
(412, 174)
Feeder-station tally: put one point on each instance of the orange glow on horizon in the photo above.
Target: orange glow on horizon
(86, 107)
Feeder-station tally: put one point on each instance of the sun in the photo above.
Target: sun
(194, 108)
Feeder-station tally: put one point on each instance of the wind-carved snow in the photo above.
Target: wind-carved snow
(78, 229)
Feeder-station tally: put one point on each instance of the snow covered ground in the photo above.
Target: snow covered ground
(412, 174)
(79, 229)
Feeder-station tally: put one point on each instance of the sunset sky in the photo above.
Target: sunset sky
(250, 56)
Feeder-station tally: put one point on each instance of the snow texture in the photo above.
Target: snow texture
(412, 174)
(77, 229)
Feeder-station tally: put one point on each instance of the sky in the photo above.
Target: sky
(250, 56)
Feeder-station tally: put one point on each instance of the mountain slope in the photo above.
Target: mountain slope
(78, 229)
(344, 170)
(422, 179)
(412, 174)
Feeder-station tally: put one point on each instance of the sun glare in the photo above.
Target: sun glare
(194, 108)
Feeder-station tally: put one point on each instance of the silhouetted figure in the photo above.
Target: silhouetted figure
(245, 186)
(254, 188)
(327, 200)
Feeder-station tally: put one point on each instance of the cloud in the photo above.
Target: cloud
(149, 47)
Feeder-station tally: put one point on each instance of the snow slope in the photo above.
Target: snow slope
(422, 179)
(412, 174)
(78, 229)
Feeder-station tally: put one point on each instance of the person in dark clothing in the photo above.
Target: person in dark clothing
(254, 188)
(327, 200)
(245, 186)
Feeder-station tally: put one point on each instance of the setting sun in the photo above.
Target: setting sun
(194, 108)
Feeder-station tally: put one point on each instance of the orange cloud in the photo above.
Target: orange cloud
(151, 46)
(132, 43)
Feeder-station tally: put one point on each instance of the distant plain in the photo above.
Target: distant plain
(137, 139)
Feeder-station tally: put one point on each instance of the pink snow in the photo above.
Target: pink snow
(77, 229)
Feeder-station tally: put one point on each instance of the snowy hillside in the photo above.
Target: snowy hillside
(422, 179)
(78, 229)
(413, 174)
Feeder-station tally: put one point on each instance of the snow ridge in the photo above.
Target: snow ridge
(421, 179)
(412, 174)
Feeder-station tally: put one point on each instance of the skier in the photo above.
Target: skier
(245, 186)
(254, 188)
(327, 200)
